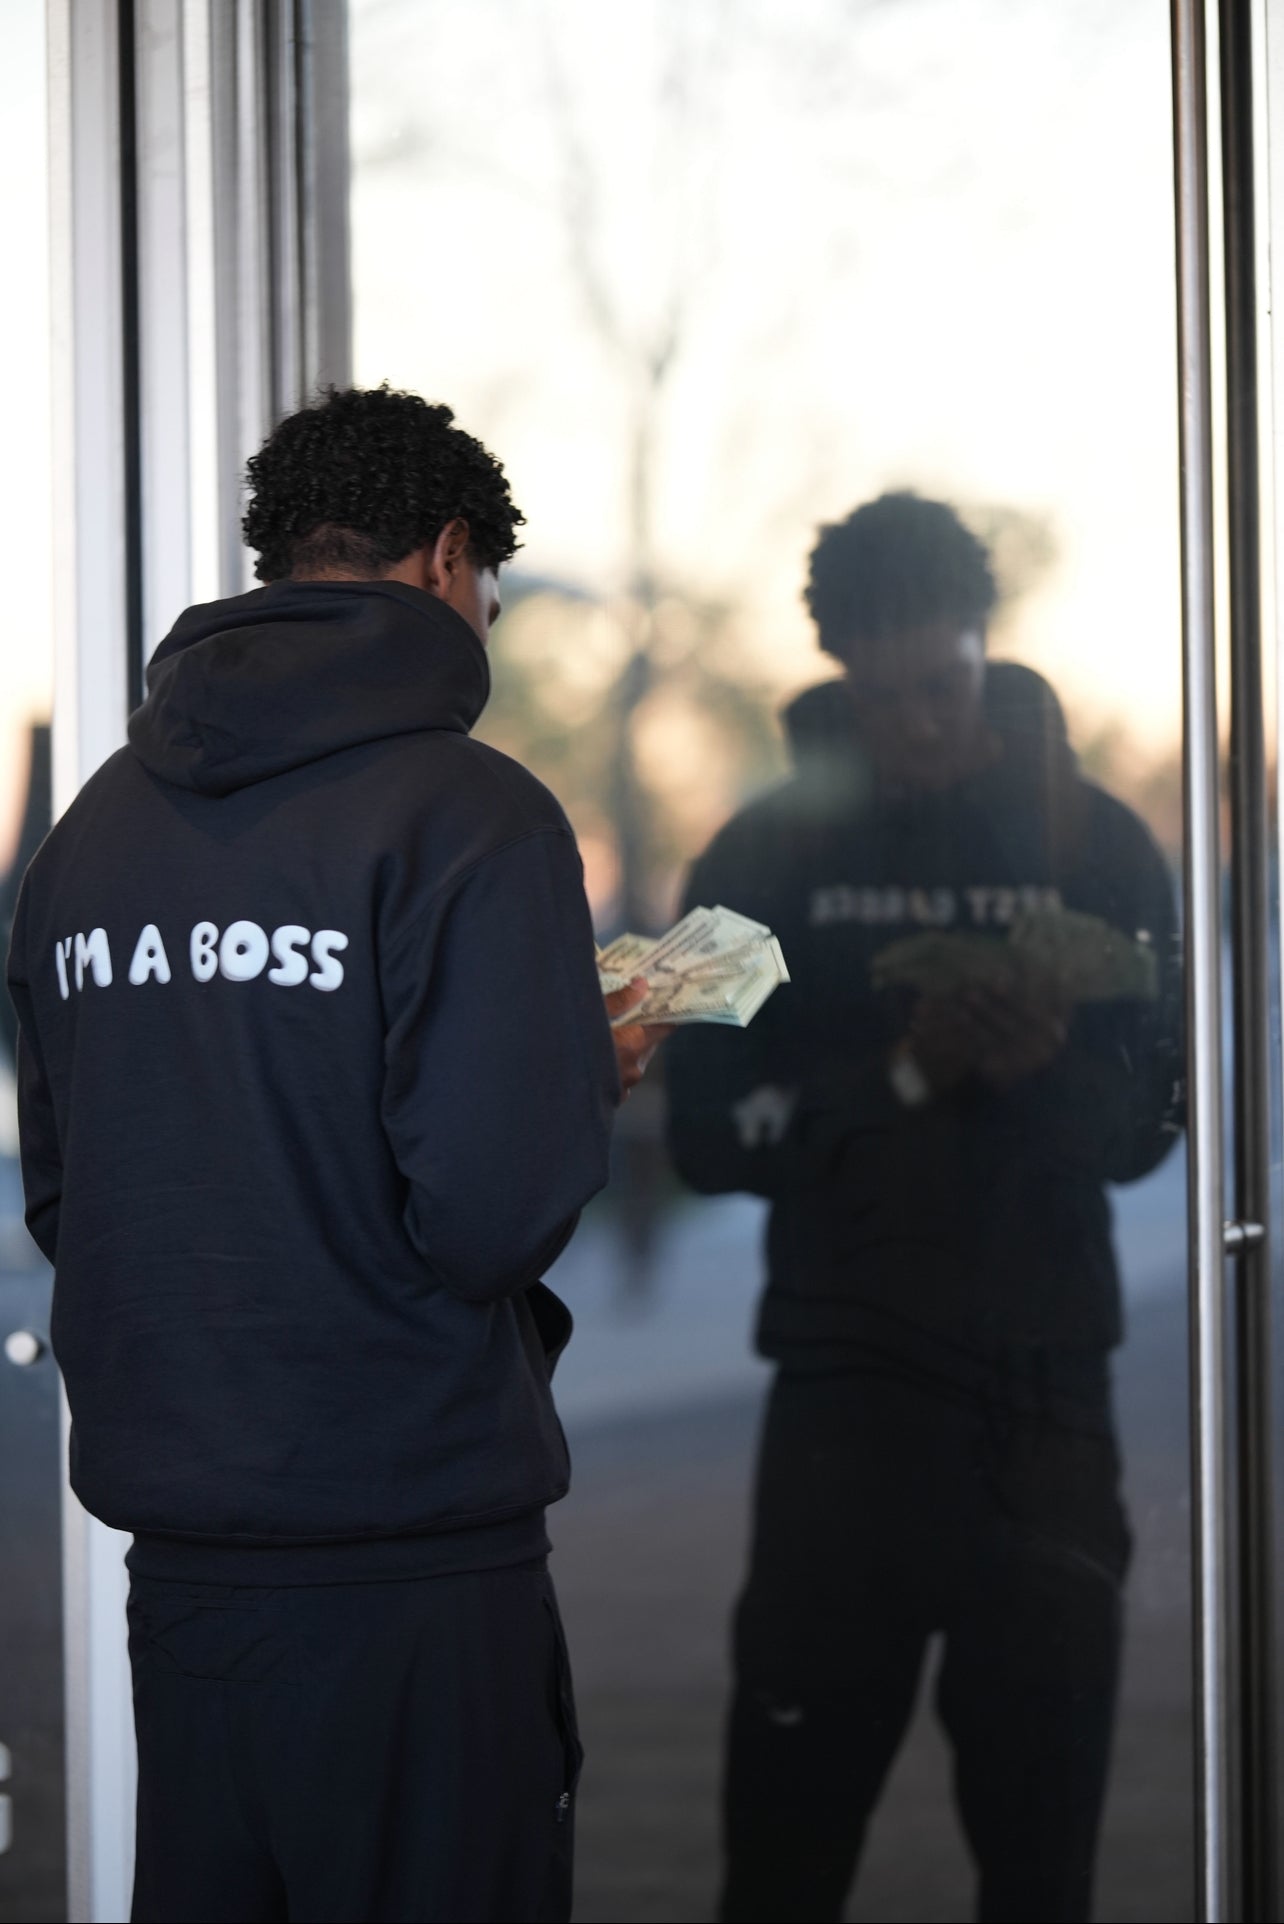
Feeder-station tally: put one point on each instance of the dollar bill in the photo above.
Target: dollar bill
(713, 966)
(1092, 960)
(1084, 957)
(940, 963)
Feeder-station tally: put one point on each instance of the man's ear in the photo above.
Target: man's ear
(449, 549)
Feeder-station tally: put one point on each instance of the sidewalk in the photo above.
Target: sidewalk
(649, 1551)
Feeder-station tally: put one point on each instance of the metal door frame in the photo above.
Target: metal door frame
(1231, 1335)
(200, 260)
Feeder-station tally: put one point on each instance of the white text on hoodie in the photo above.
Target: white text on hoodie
(239, 953)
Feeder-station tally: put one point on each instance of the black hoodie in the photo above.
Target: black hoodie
(974, 1229)
(315, 1077)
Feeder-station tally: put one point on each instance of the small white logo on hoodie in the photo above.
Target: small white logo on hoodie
(928, 908)
(288, 956)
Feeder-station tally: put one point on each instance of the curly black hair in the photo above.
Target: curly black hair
(363, 478)
(897, 563)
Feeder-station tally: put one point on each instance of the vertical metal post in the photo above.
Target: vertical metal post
(161, 132)
(1212, 1612)
(286, 379)
(164, 320)
(323, 162)
(279, 111)
(92, 519)
(1250, 965)
(131, 346)
(242, 326)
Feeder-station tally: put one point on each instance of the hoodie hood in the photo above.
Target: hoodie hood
(1021, 707)
(249, 688)
(1034, 790)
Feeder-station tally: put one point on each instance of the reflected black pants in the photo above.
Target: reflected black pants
(888, 1513)
(390, 1750)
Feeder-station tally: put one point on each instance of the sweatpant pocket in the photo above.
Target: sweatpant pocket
(562, 1695)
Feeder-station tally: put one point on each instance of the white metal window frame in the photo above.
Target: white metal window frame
(218, 258)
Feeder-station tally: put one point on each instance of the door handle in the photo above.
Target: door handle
(1210, 1487)
(1255, 1658)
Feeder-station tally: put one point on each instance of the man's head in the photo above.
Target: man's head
(901, 592)
(373, 485)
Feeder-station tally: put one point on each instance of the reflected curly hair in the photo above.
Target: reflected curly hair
(897, 563)
(363, 478)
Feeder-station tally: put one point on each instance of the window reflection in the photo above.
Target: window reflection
(707, 277)
(980, 1033)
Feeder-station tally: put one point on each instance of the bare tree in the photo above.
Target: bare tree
(646, 350)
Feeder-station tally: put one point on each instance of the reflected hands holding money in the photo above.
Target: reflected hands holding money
(1080, 956)
(1000, 1009)
(1020, 1032)
(1002, 1031)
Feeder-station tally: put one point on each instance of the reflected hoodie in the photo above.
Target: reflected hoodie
(972, 1234)
(315, 1077)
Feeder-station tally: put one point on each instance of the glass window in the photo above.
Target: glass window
(830, 350)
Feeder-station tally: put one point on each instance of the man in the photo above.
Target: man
(934, 1125)
(315, 1079)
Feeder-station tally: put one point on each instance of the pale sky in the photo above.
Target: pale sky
(922, 242)
(906, 241)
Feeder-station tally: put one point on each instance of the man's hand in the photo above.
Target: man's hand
(943, 1041)
(1002, 1033)
(1021, 1031)
(636, 1042)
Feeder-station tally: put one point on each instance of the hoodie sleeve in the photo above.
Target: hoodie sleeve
(40, 1149)
(737, 1118)
(1111, 1106)
(500, 1080)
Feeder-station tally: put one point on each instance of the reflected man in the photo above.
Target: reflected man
(978, 1038)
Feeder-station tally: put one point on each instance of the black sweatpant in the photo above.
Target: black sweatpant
(887, 1513)
(364, 1751)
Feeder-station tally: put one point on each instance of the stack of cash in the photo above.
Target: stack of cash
(1082, 957)
(714, 966)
